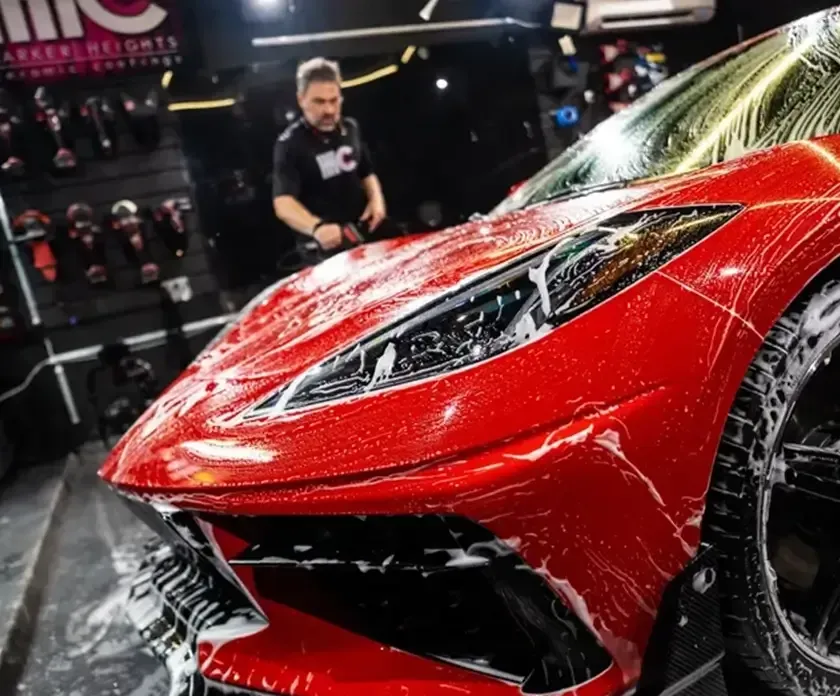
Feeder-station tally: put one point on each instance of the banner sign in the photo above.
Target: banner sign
(53, 39)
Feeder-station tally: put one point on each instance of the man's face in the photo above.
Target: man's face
(321, 105)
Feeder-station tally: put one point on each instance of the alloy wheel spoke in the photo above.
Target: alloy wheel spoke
(811, 471)
(824, 623)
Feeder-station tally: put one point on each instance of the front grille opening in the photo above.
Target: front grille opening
(171, 600)
(180, 531)
(437, 586)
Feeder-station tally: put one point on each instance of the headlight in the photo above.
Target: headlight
(512, 305)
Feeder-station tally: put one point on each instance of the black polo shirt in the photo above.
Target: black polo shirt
(324, 171)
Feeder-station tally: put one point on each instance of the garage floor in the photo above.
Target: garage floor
(68, 539)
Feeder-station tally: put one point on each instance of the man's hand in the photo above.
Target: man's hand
(329, 236)
(374, 213)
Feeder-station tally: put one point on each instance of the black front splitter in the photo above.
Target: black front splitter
(686, 650)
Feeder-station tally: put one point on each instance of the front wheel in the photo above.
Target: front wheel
(774, 504)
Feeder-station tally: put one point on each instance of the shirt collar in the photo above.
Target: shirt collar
(326, 136)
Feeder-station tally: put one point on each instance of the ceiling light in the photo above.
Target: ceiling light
(200, 105)
(442, 83)
(407, 54)
(370, 77)
(428, 8)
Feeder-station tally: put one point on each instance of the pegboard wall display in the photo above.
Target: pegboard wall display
(98, 195)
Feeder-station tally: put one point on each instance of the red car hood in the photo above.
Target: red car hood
(306, 318)
(331, 305)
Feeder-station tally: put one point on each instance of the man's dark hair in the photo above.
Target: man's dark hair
(317, 70)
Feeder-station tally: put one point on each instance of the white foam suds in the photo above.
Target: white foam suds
(703, 580)
(218, 636)
(548, 444)
(610, 441)
(384, 366)
(538, 277)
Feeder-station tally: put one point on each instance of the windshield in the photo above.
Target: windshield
(778, 88)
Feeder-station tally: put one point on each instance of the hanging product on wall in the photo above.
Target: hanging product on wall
(10, 135)
(54, 120)
(656, 64)
(101, 123)
(34, 229)
(143, 118)
(571, 81)
(631, 70)
(7, 317)
(235, 188)
(12, 322)
(10, 319)
(128, 374)
(87, 235)
(566, 116)
(126, 220)
(178, 290)
(170, 226)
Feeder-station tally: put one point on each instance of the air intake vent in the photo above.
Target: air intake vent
(617, 15)
(437, 586)
(647, 20)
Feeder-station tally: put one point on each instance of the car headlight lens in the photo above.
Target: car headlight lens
(509, 307)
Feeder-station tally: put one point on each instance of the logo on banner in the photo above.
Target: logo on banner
(48, 38)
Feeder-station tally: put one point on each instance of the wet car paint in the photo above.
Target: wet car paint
(588, 450)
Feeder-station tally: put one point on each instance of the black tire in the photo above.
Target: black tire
(756, 636)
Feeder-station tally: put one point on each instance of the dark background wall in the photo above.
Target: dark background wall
(74, 314)
(458, 149)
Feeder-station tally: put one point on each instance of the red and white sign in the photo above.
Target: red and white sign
(43, 39)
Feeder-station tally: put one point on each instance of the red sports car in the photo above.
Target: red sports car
(587, 443)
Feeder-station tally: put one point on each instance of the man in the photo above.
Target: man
(323, 175)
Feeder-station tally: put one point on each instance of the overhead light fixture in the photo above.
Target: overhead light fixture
(395, 30)
(428, 8)
(166, 79)
(200, 105)
(442, 83)
(370, 77)
(268, 10)
(408, 54)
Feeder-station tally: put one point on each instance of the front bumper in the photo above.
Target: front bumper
(414, 612)
(172, 601)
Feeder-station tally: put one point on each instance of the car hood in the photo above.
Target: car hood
(324, 308)
(195, 427)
